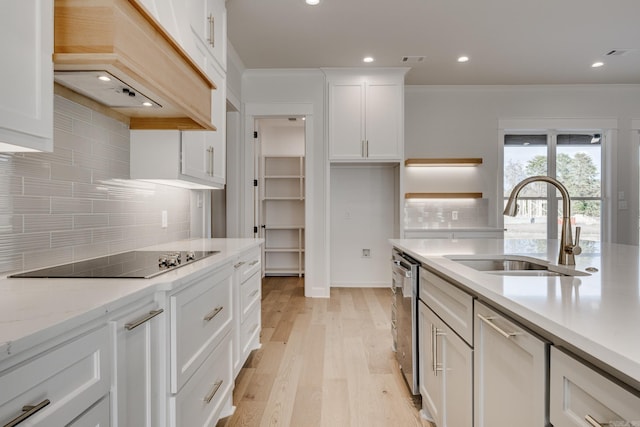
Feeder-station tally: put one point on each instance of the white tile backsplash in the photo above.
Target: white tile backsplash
(78, 202)
(438, 213)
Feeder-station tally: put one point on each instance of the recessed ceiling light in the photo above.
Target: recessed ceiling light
(147, 104)
(312, 2)
(463, 59)
(368, 59)
(104, 78)
(597, 64)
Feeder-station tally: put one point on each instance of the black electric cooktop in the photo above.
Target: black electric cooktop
(126, 265)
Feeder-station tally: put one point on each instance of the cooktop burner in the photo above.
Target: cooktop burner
(126, 265)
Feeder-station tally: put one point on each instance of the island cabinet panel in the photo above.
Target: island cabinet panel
(581, 396)
(510, 372)
(58, 385)
(445, 371)
(96, 416)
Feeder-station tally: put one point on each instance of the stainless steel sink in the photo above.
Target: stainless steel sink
(514, 266)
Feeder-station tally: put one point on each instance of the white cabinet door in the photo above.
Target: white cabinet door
(446, 372)
(346, 121)
(137, 380)
(579, 393)
(196, 154)
(510, 373)
(383, 118)
(96, 416)
(26, 83)
(208, 24)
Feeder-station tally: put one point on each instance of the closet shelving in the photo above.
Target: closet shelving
(282, 195)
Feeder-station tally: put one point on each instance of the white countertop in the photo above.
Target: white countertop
(598, 315)
(32, 310)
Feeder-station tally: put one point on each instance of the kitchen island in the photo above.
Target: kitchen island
(591, 314)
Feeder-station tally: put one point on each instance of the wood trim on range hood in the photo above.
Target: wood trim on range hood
(118, 37)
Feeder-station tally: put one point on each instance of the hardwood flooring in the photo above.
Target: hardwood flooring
(323, 362)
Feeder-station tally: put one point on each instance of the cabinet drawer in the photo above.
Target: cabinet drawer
(451, 304)
(200, 401)
(71, 377)
(250, 264)
(96, 416)
(200, 316)
(249, 295)
(250, 331)
(578, 392)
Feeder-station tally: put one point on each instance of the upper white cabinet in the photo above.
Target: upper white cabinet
(26, 104)
(208, 24)
(366, 114)
(179, 158)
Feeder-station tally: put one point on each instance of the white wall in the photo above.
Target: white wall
(281, 88)
(462, 121)
(363, 216)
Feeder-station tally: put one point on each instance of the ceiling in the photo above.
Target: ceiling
(507, 41)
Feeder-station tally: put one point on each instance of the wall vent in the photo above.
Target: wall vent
(412, 59)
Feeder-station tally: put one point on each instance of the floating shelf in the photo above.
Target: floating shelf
(443, 195)
(443, 162)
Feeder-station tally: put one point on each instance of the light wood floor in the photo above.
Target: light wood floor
(323, 362)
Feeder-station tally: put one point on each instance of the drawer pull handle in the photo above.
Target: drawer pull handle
(27, 411)
(213, 314)
(238, 265)
(588, 418)
(252, 263)
(254, 293)
(488, 321)
(213, 392)
(132, 325)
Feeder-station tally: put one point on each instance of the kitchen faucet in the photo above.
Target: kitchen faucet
(568, 250)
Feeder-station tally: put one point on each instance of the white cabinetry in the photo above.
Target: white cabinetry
(137, 392)
(200, 350)
(57, 386)
(580, 396)
(26, 104)
(186, 159)
(282, 195)
(96, 416)
(510, 373)
(446, 360)
(247, 294)
(208, 24)
(366, 115)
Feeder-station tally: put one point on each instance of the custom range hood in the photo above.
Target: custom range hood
(114, 53)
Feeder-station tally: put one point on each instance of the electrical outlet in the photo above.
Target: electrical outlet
(454, 215)
(366, 253)
(165, 219)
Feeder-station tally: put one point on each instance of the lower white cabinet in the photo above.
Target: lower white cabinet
(510, 372)
(138, 352)
(445, 370)
(57, 386)
(96, 416)
(247, 291)
(580, 396)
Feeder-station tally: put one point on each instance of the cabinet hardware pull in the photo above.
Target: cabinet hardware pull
(211, 39)
(213, 392)
(27, 411)
(588, 418)
(213, 314)
(211, 160)
(488, 321)
(434, 349)
(254, 293)
(366, 145)
(252, 263)
(238, 265)
(132, 325)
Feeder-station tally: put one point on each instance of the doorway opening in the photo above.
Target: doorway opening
(279, 198)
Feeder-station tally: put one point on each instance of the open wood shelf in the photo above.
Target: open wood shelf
(465, 161)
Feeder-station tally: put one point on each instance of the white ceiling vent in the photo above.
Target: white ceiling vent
(412, 59)
(621, 52)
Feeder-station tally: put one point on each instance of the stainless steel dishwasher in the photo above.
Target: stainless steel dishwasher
(404, 316)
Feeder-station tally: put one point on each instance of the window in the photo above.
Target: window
(574, 159)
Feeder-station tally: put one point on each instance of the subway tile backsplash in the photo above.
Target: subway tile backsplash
(439, 213)
(78, 202)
